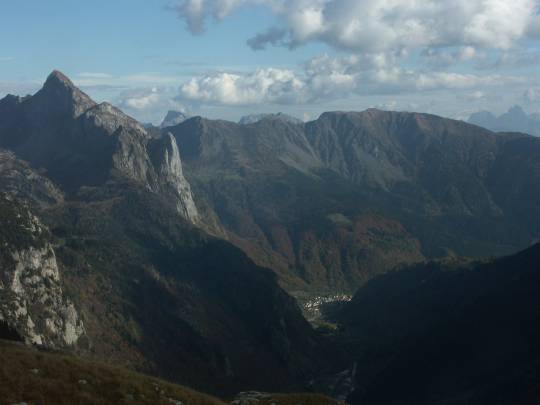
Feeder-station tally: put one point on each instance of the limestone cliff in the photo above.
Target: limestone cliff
(167, 163)
(32, 301)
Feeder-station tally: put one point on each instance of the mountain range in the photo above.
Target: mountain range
(515, 120)
(330, 203)
(185, 251)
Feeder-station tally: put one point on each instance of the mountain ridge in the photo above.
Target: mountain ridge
(421, 171)
(461, 332)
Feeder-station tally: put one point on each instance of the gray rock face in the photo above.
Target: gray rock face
(32, 301)
(78, 142)
(18, 179)
(173, 118)
(168, 166)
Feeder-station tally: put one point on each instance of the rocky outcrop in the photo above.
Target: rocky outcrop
(18, 178)
(81, 143)
(168, 165)
(32, 301)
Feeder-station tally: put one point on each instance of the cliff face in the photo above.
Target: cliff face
(32, 301)
(168, 165)
(81, 143)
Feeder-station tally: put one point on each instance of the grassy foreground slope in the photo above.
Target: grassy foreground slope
(32, 376)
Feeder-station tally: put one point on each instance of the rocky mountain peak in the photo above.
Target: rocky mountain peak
(60, 95)
(58, 78)
(173, 118)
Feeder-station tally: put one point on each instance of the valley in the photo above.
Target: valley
(271, 256)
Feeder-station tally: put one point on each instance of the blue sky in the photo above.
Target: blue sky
(446, 57)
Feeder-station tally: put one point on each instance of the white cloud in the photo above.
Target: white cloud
(140, 99)
(396, 47)
(532, 95)
(389, 25)
(325, 78)
(441, 58)
(258, 87)
(148, 104)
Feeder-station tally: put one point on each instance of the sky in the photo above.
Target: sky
(229, 58)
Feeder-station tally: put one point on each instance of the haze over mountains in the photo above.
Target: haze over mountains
(178, 251)
(515, 120)
(253, 118)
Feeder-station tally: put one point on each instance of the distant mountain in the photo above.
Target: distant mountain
(329, 204)
(102, 255)
(515, 120)
(173, 118)
(443, 332)
(252, 119)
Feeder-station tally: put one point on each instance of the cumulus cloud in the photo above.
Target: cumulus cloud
(139, 99)
(274, 36)
(442, 58)
(395, 47)
(532, 95)
(375, 26)
(148, 103)
(258, 87)
(325, 78)
(196, 12)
